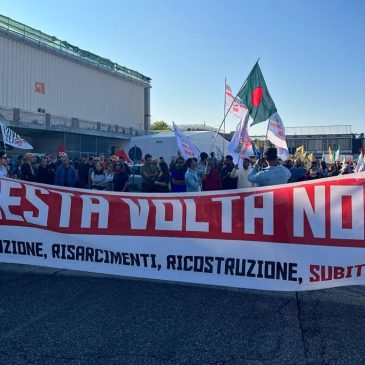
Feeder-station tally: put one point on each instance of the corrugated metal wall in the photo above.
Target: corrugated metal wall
(71, 89)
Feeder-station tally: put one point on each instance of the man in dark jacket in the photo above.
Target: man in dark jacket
(65, 174)
(228, 182)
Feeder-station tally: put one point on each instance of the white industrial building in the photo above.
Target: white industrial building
(53, 93)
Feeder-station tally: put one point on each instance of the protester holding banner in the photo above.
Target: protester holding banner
(202, 167)
(274, 174)
(98, 177)
(65, 174)
(298, 171)
(192, 179)
(16, 170)
(163, 179)
(43, 172)
(109, 176)
(333, 170)
(82, 172)
(27, 169)
(242, 175)
(229, 181)
(178, 183)
(3, 164)
(323, 168)
(120, 178)
(212, 181)
(149, 174)
(126, 167)
(313, 173)
(213, 159)
(303, 236)
(345, 169)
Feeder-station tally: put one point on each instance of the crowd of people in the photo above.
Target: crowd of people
(87, 172)
(190, 175)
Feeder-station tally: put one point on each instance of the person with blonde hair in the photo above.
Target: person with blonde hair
(27, 169)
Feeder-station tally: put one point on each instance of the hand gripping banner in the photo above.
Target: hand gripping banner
(301, 236)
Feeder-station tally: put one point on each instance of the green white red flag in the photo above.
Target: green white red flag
(256, 97)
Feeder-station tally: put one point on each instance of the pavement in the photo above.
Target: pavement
(50, 316)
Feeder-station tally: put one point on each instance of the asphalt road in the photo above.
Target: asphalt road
(50, 316)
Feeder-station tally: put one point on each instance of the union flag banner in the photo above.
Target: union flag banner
(301, 236)
(186, 146)
(13, 139)
(237, 107)
(240, 145)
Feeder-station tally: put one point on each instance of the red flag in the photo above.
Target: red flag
(123, 155)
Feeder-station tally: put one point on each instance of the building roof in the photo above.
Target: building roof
(12, 26)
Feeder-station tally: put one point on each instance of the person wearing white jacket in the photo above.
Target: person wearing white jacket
(242, 175)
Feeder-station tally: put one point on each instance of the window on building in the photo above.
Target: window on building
(314, 145)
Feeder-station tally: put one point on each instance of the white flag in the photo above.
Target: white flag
(283, 153)
(360, 166)
(219, 153)
(238, 108)
(276, 135)
(13, 139)
(240, 145)
(187, 148)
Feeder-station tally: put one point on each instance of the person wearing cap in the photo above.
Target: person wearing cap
(274, 174)
(3, 164)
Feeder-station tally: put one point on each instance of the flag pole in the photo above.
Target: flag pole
(230, 107)
(267, 132)
(2, 135)
(224, 111)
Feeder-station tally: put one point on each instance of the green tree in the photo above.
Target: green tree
(160, 125)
